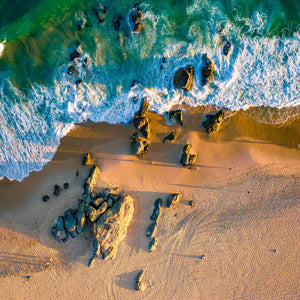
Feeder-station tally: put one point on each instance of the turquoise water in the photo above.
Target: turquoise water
(40, 102)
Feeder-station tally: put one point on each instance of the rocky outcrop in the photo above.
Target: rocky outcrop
(207, 69)
(213, 122)
(140, 284)
(177, 115)
(86, 159)
(141, 120)
(109, 212)
(111, 227)
(184, 78)
(173, 200)
(188, 159)
(171, 137)
(136, 17)
(139, 145)
(153, 243)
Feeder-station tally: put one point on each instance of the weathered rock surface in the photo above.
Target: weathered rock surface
(171, 137)
(173, 200)
(153, 243)
(177, 115)
(139, 145)
(184, 78)
(213, 122)
(140, 285)
(111, 228)
(207, 69)
(58, 230)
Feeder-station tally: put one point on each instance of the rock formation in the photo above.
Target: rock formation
(207, 69)
(213, 122)
(139, 145)
(141, 120)
(177, 115)
(140, 285)
(173, 200)
(184, 78)
(187, 159)
(171, 137)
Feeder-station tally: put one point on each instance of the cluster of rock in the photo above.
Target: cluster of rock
(213, 122)
(151, 230)
(136, 17)
(184, 78)
(56, 191)
(141, 121)
(187, 159)
(109, 213)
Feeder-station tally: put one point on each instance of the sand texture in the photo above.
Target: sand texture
(238, 241)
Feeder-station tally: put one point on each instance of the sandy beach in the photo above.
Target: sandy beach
(245, 221)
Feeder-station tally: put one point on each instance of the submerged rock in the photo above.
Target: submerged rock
(136, 17)
(184, 78)
(213, 122)
(226, 48)
(177, 115)
(207, 69)
(173, 200)
(140, 285)
(171, 137)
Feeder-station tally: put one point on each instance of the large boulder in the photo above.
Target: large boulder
(184, 78)
(139, 145)
(207, 69)
(213, 122)
(111, 228)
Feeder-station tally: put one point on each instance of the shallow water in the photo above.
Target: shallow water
(40, 102)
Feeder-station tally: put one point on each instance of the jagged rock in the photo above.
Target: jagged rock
(157, 210)
(57, 190)
(139, 145)
(72, 71)
(70, 223)
(110, 191)
(177, 115)
(93, 213)
(92, 179)
(46, 198)
(184, 78)
(207, 69)
(103, 207)
(151, 230)
(111, 227)
(213, 122)
(171, 137)
(58, 230)
(136, 17)
(192, 159)
(96, 202)
(226, 48)
(173, 200)
(86, 159)
(140, 285)
(153, 244)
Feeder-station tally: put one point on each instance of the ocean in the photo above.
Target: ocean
(42, 98)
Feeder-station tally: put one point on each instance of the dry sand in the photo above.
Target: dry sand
(246, 192)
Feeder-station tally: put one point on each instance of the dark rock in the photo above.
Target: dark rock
(185, 159)
(157, 210)
(96, 248)
(66, 185)
(72, 71)
(58, 230)
(207, 69)
(192, 203)
(80, 217)
(110, 202)
(140, 285)
(136, 17)
(151, 230)
(177, 115)
(103, 207)
(226, 48)
(77, 173)
(153, 244)
(192, 159)
(139, 145)
(187, 148)
(46, 198)
(117, 23)
(91, 261)
(138, 27)
(171, 137)
(74, 54)
(86, 159)
(141, 120)
(109, 253)
(188, 159)
(110, 191)
(173, 200)
(96, 202)
(184, 78)
(70, 223)
(57, 190)
(78, 81)
(213, 122)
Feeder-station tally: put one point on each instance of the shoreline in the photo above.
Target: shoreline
(244, 186)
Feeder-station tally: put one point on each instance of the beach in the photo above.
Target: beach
(238, 241)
